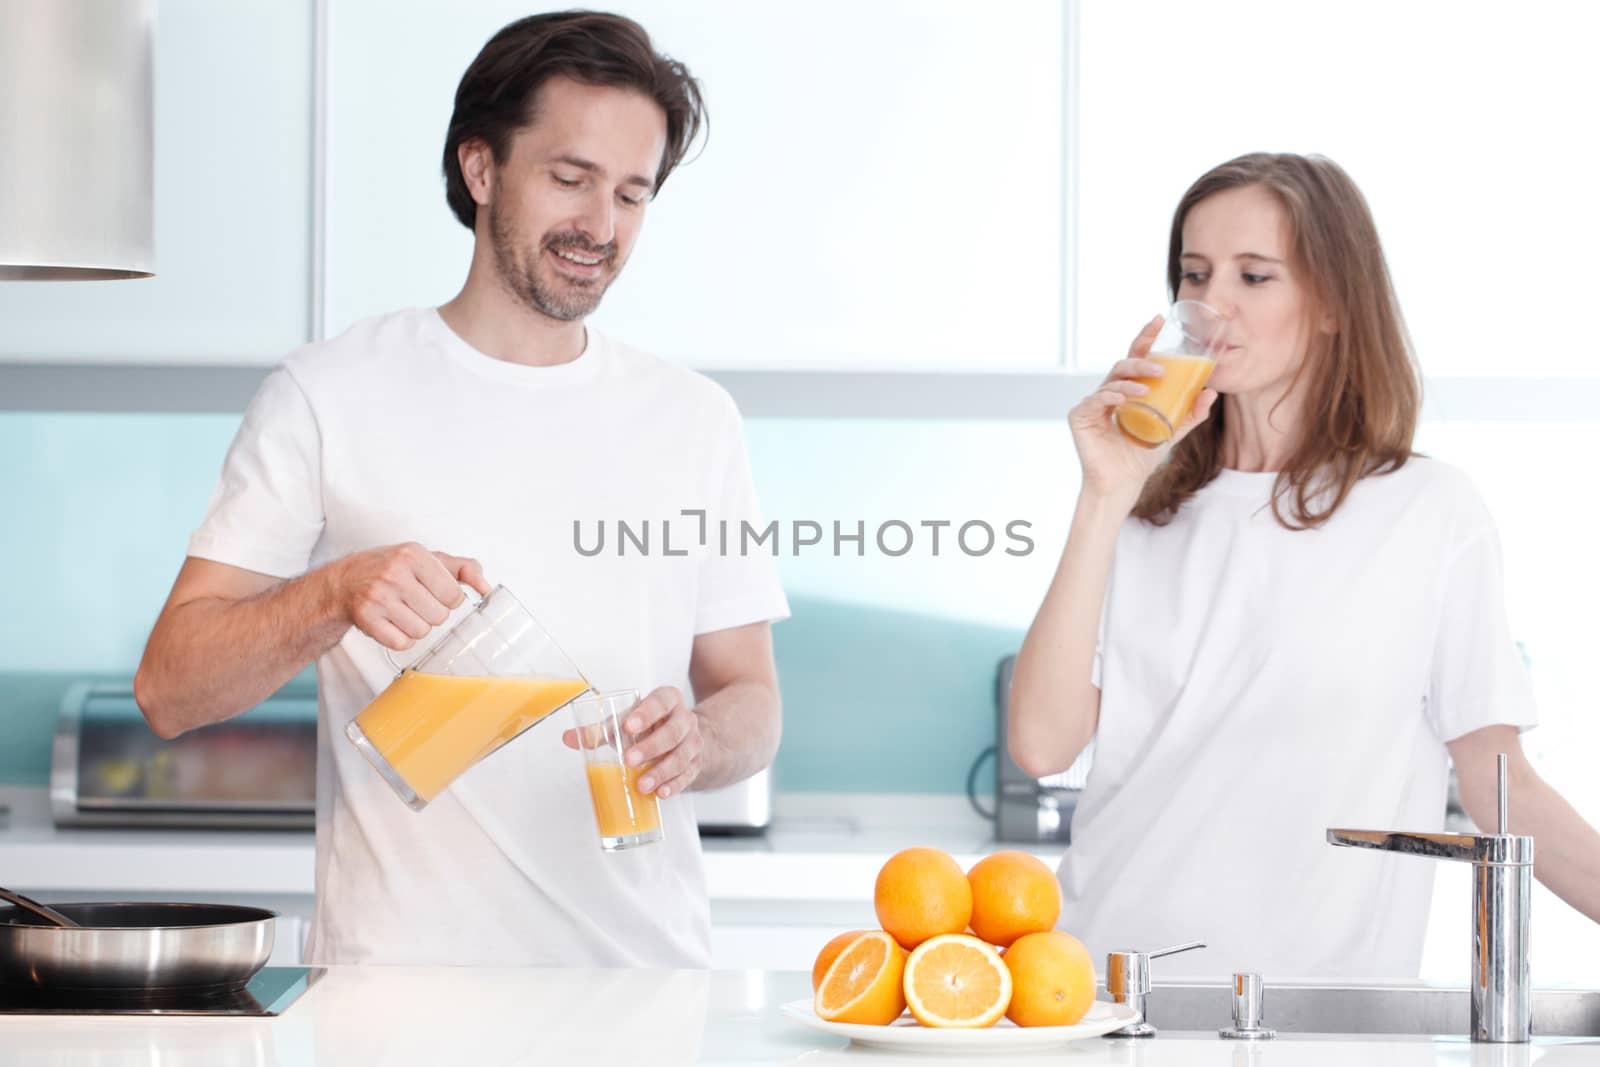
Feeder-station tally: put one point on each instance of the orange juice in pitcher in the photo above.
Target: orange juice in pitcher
(493, 675)
(432, 727)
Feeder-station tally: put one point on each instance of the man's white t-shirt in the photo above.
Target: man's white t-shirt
(1260, 685)
(397, 431)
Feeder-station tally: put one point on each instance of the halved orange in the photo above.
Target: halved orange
(863, 985)
(955, 980)
(829, 953)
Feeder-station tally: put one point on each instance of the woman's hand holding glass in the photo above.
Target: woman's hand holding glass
(1114, 465)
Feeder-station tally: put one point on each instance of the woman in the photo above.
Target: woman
(1282, 622)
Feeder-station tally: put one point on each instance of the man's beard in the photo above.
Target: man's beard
(562, 299)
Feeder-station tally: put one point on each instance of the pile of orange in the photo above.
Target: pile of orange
(960, 949)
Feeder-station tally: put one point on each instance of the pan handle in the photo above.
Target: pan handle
(43, 911)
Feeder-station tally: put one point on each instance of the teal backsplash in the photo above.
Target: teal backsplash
(877, 698)
(99, 509)
(875, 701)
(28, 703)
(885, 701)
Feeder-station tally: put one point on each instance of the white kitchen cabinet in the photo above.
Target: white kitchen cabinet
(233, 181)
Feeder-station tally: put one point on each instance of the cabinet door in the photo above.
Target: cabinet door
(233, 126)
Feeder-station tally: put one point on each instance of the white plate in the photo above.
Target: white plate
(1005, 1036)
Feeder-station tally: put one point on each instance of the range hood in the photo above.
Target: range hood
(76, 143)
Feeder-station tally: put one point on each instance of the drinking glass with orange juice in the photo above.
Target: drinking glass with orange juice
(1187, 348)
(495, 673)
(624, 816)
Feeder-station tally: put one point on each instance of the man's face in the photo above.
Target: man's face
(566, 206)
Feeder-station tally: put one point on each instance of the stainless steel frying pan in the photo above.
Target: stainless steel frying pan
(134, 947)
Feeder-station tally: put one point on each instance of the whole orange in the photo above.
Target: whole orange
(1052, 979)
(1013, 894)
(829, 953)
(921, 893)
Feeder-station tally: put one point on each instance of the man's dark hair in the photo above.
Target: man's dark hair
(496, 94)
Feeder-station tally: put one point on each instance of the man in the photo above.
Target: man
(492, 424)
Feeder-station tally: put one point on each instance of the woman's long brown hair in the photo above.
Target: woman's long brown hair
(1363, 392)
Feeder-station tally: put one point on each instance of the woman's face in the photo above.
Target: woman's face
(1237, 258)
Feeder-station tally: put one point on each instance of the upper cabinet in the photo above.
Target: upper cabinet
(233, 205)
(881, 188)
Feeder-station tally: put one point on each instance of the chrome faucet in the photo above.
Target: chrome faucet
(1502, 888)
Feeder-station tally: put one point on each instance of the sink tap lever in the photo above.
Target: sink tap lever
(1247, 1025)
(1128, 982)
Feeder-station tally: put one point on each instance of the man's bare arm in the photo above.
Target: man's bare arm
(227, 637)
(741, 715)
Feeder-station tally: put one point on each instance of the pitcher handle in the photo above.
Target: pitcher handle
(388, 653)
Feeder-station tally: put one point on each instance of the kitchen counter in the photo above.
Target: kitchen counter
(485, 1017)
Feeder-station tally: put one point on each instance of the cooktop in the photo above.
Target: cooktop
(270, 992)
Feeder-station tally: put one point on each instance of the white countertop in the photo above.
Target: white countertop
(371, 1016)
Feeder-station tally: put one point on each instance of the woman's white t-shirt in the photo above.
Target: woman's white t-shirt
(1260, 685)
(397, 431)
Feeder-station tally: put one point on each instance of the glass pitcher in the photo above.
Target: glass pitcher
(495, 673)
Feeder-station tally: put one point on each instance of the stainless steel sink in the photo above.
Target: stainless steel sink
(1364, 1009)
